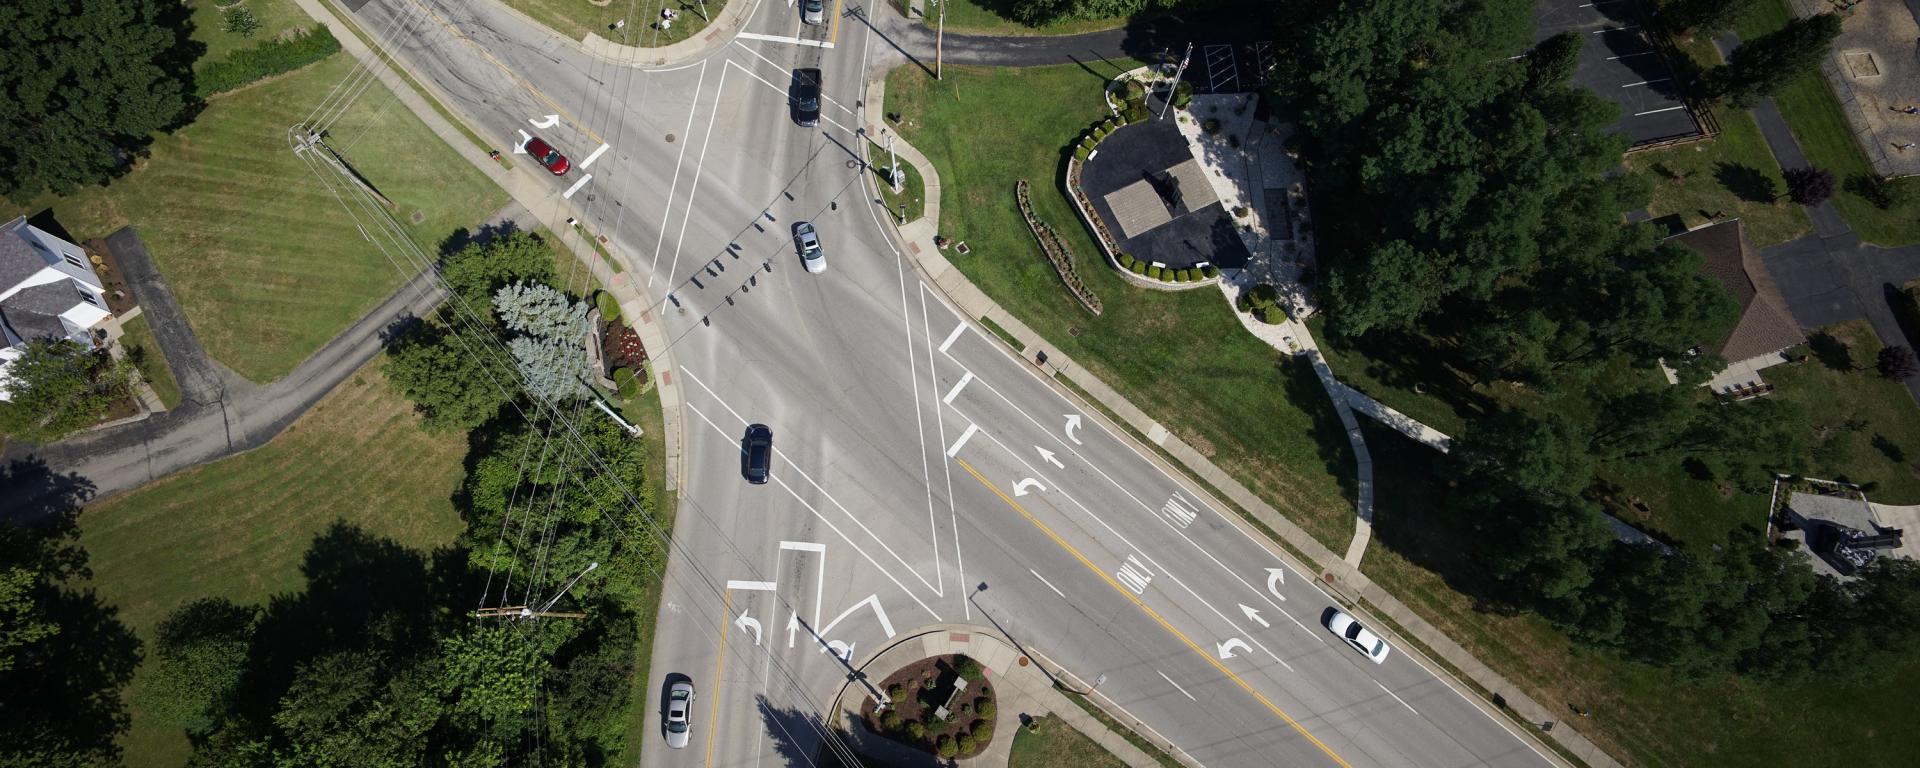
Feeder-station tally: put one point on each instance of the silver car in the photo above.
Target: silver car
(813, 11)
(811, 254)
(679, 714)
(1357, 636)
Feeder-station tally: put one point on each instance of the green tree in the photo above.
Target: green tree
(349, 709)
(537, 309)
(1703, 17)
(1758, 68)
(87, 85)
(475, 271)
(491, 676)
(455, 378)
(200, 652)
(58, 386)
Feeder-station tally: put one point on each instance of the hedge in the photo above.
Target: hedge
(1183, 276)
(1139, 267)
(609, 306)
(1080, 153)
(1156, 273)
(267, 59)
(625, 383)
(1210, 271)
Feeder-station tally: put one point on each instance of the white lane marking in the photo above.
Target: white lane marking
(964, 437)
(1655, 111)
(783, 94)
(830, 100)
(938, 591)
(872, 601)
(1043, 580)
(748, 623)
(820, 581)
(1647, 82)
(1630, 55)
(951, 337)
(1628, 28)
(804, 546)
(547, 122)
(784, 39)
(823, 518)
(1048, 457)
(762, 586)
(1073, 423)
(595, 156)
(1226, 648)
(577, 185)
(955, 392)
(1026, 486)
(946, 467)
(667, 213)
(1254, 613)
(698, 165)
(1176, 686)
(1403, 702)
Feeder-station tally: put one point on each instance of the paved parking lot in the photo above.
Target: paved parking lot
(1229, 67)
(1618, 62)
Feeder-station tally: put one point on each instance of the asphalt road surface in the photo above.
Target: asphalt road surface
(922, 473)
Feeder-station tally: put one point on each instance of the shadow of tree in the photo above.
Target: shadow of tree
(31, 493)
(1746, 182)
(1831, 352)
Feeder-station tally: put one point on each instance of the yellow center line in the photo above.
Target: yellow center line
(564, 114)
(713, 716)
(1155, 615)
(833, 35)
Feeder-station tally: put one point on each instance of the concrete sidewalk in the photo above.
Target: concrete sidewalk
(716, 35)
(1022, 686)
(1518, 711)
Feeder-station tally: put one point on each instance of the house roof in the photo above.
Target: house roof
(19, 260)
(34, 312)
(1765, 325)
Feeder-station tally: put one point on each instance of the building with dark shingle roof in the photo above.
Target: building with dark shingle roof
(1765, 328)
(47, 291)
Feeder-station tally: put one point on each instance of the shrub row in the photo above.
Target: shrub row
(1188, 275)
(267, 59)
(1055, 250)
(1263, 302)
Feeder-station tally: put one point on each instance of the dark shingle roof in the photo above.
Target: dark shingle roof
(18, 258)
(35, 312)
(1765, 325)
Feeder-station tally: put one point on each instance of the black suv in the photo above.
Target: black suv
(806, 97)
(757, 453)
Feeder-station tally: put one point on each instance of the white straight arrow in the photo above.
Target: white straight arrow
(1020, 488)
(1275, 578)
(1226, 648)
(1073, 423)
(1254, 614)
(793, 626)
(1047, 456)
(547, 122)
(521, 148)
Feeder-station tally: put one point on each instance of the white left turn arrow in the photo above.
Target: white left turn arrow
(1047, 456)
(1073, 423)
(1226, 648)
(1021, 488)
(748, 624)
(843, 650)
(547, 122)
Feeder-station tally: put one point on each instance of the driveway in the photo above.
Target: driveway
(220, 412)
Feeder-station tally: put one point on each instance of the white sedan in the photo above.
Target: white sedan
(1358, 636)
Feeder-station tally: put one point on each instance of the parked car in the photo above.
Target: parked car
(812, 256)
(1358, 636)
(813, 11)
(805, 96)
(679, 721)
(757, 453)
(544, 154)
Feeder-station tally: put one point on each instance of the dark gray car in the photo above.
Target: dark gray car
(757, 453)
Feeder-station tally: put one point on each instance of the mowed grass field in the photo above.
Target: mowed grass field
(276, 17)
(1182, 357)
(237, 528)
(995, 17)
(1054, 744)
(576, 18)
(266, 263)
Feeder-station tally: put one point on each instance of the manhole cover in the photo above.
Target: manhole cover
(1862, 64)
(418, 217)
(1074, 332)
(1023, 661)
(669, 138)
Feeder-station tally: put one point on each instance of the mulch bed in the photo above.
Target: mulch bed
(918, 689)
(623, 349)
(119, 295)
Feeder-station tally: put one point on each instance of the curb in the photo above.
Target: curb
(717, 35)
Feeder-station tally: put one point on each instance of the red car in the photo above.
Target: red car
(546, 155)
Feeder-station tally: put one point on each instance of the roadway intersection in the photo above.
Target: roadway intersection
(917, 461)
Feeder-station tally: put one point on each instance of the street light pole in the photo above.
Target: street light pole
(939, 38)
(1174, 87)
(893, 175)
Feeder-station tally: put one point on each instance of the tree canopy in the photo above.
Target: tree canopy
(87, 84)
(1758, 68)
(58, 386)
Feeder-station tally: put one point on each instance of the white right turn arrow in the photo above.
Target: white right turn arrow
(1226, 648)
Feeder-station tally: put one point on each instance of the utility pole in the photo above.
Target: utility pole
(939, 38)
(1175, 86)
(317, 143)
(544, 611)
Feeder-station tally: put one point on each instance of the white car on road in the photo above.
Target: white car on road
(679, 714)
(1358, 636)
(811, 254)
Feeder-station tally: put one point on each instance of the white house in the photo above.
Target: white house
(47, 290)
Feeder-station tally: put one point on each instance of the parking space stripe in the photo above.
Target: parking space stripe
(1656, 111)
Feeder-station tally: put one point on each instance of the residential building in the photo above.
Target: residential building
(1765, 329)
(47, 290)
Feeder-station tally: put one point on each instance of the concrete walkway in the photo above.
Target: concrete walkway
(1344, 579)
(1022, 685)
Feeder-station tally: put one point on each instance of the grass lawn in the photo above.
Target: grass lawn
(995, 17)
(237, 528)
(144, 350)
(1828, 139)
(1640, 714)
(577, 18)
(912, 191)
(646, 606)
(1734, 173)
(1393, 383)
(276, 17)
(1054, 744)
(266, 263)
(1182, 357)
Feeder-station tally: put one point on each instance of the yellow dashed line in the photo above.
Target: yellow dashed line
(1155, 615)
(713, 717)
